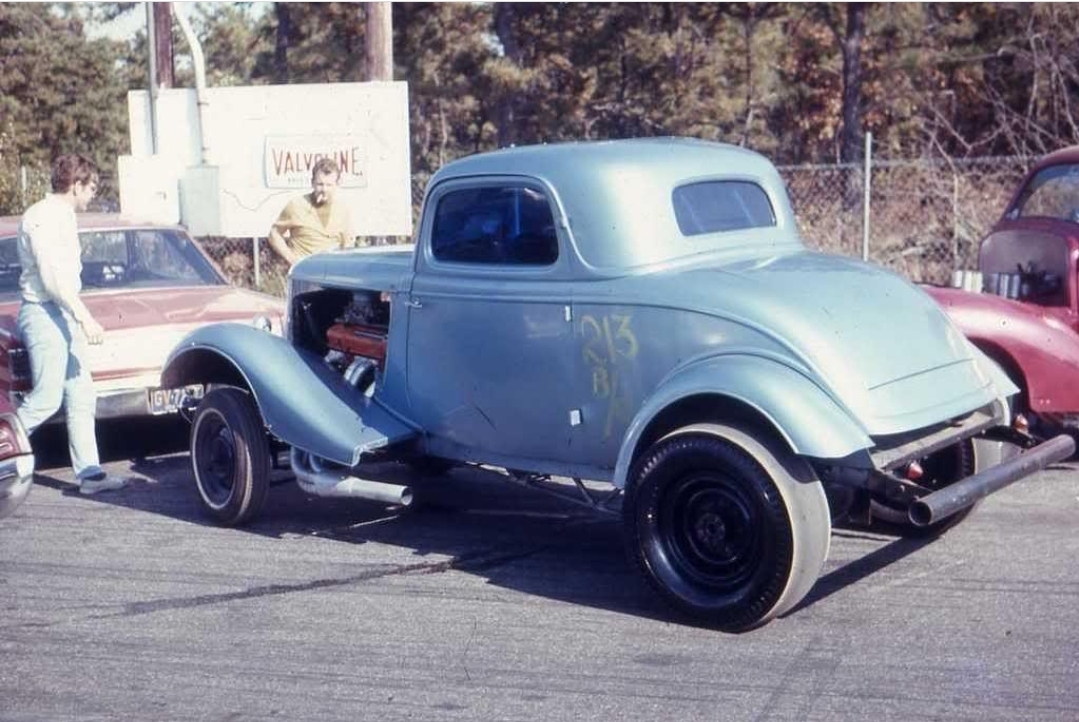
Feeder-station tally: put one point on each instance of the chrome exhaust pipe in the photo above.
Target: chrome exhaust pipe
(931, 508)
(316, 479)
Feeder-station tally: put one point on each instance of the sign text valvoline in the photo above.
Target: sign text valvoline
(288, 160)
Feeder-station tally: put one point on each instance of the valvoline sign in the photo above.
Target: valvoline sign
(288, 159)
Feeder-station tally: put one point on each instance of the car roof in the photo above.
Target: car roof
(616, 194)
(608, 157)
(9, 225)
(1064, 155)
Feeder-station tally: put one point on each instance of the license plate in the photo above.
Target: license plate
(169, 401)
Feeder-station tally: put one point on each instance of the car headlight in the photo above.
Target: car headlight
(263, 323)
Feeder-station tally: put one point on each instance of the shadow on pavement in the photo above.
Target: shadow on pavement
(469, 520)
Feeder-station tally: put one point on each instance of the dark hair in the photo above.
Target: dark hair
(324, 166)
(72, 168)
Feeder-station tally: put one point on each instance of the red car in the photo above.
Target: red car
(148, 285)
(1026, 315)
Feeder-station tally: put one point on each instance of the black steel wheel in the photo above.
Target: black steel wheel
(722, 529)
(940, 469)
(230, 456)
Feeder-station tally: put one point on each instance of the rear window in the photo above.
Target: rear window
(717, 206)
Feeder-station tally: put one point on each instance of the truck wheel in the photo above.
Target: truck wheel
(719, 525)
(230, 455)
(940, 468)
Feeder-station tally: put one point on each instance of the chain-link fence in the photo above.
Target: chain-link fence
(925, 218)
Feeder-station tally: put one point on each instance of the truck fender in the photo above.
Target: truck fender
(303, 402)
(802, 413)
(1044, 349)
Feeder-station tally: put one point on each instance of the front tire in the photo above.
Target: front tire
(230, 456)
(722, 529)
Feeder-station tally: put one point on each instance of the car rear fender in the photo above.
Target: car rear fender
(303, 402)
(800, 412)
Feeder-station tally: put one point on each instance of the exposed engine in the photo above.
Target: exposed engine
(349, 329)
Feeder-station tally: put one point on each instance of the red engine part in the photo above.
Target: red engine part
(358, 340)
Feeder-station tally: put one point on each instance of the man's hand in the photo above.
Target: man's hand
(93, 331)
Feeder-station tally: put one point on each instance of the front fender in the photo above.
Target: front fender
(1040, 345)
(303, 401)
(807, 418)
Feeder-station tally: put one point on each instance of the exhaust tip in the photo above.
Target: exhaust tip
(920, 514)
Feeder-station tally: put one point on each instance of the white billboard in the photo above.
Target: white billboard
(253, 150)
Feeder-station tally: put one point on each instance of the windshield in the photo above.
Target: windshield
(128, 258)
(1052, 193)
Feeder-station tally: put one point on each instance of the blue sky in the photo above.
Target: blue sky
(125, 26)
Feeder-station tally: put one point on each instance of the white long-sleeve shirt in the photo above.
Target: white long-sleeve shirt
(51, 257)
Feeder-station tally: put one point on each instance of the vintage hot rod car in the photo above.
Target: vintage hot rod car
(639, 314)
(1023, 311)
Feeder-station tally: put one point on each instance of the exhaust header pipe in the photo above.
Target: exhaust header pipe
(315, 479)
(933, 507)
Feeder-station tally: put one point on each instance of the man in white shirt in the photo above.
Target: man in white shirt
(53, 321)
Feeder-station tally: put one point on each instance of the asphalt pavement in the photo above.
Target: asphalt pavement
(491, 602)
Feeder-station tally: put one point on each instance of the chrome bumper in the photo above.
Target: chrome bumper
(122, 404)
(16, 478)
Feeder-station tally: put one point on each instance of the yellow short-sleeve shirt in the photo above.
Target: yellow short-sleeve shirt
(306, 232)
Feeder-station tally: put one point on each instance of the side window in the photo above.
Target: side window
(495, 225)
(716, 206)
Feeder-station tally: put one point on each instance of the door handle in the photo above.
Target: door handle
(414, 303)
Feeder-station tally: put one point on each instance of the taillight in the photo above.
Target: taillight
(19, 361)
(13, 438)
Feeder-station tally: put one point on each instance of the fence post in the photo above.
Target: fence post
(955, 221)
(255, 265)
(23, 183)
(865, 199)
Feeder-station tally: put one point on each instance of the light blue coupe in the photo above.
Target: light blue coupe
(639, 314)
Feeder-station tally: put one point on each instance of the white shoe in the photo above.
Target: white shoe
(104, 482)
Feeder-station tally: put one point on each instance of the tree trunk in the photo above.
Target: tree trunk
(851, 133)
(378, 43)
(850, 138)
(163, 63)
(505, 14)
(280, 51)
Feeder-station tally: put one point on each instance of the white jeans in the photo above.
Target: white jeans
(56, 346)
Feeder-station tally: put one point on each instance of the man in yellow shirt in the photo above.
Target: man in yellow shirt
(314, 222)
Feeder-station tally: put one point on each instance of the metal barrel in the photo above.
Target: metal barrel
(958, 496)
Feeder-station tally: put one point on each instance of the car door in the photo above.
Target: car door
(489, 329)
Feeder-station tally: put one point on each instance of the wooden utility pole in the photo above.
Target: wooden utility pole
(378, 45)
(166, 77)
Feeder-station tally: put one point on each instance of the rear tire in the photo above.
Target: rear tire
(721, 528)
(230, 456)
